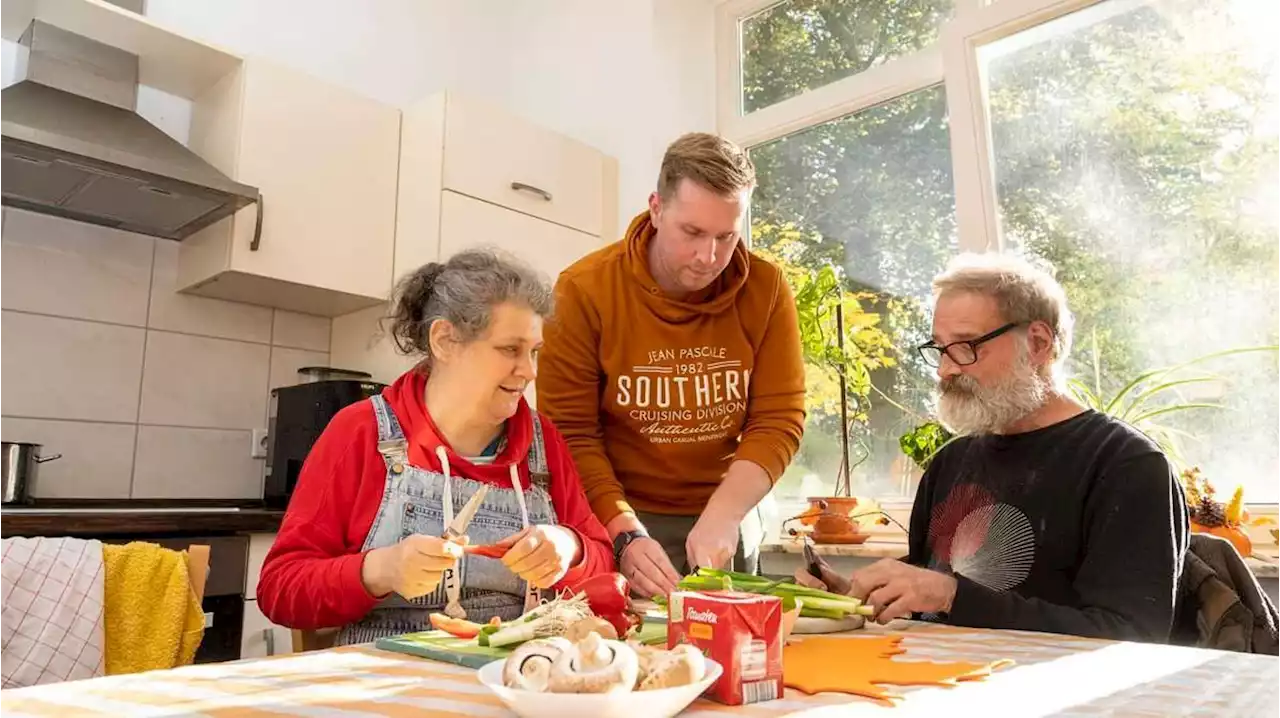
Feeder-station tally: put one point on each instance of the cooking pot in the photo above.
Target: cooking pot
(21, 459)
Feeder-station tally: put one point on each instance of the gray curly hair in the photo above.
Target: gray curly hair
(464, 290)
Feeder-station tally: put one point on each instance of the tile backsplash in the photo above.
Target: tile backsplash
(146, 393)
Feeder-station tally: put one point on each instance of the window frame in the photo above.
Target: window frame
(953, 60)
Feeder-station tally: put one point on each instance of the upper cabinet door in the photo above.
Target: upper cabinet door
(497, 157)
(326, 160)
(550, 248)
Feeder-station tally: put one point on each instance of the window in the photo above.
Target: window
(1130, 143)
(870, 193)
(1136, 150)
(803, 44)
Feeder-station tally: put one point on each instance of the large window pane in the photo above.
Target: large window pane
(870, 193)
(1136, 149)
(803, 44)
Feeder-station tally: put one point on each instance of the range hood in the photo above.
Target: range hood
(75, 147)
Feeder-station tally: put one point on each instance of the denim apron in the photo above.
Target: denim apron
(419, 501)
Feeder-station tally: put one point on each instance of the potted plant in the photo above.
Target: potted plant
(844, 341)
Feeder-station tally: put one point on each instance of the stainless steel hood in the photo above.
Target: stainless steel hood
(75, 147)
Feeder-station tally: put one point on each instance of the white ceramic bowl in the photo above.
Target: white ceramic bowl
(662, 703)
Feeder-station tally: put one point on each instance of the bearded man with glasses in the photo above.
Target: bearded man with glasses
(1044, 515)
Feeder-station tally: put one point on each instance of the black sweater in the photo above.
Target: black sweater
(1077, 528)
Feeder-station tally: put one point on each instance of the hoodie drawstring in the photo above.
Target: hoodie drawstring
(453, 608)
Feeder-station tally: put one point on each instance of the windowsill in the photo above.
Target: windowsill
(870, 549)
(1262, 565)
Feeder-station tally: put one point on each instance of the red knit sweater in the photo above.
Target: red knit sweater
(311, 576)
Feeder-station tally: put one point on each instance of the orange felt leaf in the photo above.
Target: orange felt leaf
(859, 666)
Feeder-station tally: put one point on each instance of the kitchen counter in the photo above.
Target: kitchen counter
(141, 518)
(1052, 675)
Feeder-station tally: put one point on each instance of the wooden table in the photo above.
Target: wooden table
(1055, 675)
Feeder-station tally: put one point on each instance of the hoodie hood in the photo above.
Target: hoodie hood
(407, 397)
(716, 298)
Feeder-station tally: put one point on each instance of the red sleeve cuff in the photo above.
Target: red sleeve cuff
(578, 571)
(350, 574)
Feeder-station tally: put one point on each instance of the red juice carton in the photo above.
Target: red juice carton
(740, 631)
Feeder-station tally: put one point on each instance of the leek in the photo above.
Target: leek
(814, 603)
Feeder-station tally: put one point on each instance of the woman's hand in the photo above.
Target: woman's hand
(412, 568)
(542, 555)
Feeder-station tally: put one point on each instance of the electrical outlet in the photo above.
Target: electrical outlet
(259, 448)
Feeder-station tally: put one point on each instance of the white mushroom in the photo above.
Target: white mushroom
(679, 666)
(528, 668)
(595, 665)
(579, 629)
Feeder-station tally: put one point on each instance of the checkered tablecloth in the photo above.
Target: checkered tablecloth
(1055, 675)
(52, 617)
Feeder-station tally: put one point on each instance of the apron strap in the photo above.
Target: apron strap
(539, 470)
(388, 425)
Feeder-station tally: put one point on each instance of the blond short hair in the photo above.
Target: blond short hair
(1023, 292)
(710, 160)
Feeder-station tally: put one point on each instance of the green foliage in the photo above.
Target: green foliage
(924, 442)
(1145, 400)
(1137, 154)
(822, 304)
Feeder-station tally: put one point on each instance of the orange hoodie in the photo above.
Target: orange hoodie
(656, 396)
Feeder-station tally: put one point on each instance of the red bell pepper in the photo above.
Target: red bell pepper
(487, 550)
(608, 596)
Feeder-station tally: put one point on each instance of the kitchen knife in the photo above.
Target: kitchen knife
(458, 528)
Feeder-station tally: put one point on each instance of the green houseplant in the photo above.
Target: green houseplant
(842, 343)
(1152, 395)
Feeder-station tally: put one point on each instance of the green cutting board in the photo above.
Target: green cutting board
(440, 646)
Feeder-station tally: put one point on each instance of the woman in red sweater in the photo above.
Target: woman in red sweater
(360, 544)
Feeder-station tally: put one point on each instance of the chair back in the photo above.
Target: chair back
(198, 569)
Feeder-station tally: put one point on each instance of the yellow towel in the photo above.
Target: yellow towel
(151, 617)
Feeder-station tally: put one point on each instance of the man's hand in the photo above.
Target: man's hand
(712, 542)
(644, 562)
(831, 581)
(714, 538)
(896, 590)
(647, 568)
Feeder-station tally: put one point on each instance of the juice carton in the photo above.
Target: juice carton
(740, 631)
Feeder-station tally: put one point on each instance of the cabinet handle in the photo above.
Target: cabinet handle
(257, 228)
(522, 187)
(269, 636)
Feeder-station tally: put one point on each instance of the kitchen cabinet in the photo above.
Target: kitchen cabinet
(456, 147)
(474, 175)
(260, 637)
(466, 222)
(259, 545)
(325, 159)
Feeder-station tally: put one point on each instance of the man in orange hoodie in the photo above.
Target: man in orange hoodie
(673, 369)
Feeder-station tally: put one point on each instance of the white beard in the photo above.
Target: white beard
(967, 407)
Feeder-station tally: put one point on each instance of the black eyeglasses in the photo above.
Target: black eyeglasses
(963, 353)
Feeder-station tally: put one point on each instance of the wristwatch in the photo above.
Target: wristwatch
(623, 540)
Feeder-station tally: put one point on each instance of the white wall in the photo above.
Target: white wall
(626, 76)
(8, 62)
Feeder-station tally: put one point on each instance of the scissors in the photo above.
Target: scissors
(458, 528)
(813, 562)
